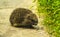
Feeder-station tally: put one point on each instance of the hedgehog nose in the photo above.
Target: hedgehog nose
(35, 24)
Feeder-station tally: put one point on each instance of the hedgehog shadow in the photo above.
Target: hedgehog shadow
(25, 27)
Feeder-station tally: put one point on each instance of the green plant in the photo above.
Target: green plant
(51, 9)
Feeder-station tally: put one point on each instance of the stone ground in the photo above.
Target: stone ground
(6, 30)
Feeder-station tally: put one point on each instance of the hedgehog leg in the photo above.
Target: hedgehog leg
(14, 24)
(36, 27)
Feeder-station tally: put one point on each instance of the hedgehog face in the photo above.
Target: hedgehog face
(33, 19)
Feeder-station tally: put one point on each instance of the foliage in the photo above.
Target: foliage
(52, 19)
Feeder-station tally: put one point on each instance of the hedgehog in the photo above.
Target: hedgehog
(21, 17)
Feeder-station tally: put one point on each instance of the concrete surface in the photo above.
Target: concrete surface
(6, 30)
